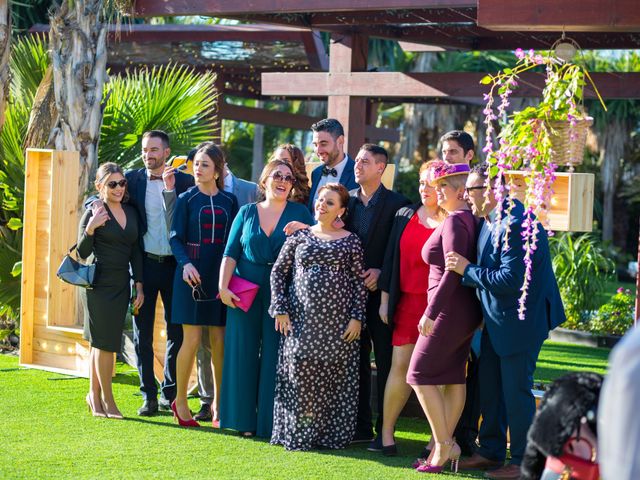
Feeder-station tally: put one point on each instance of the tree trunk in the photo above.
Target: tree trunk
(611, 142)
(5, 52)
(79, 57)
(43, 115)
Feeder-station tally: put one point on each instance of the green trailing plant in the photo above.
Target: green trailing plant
(582, 267)
(171, 98)
(616, 316)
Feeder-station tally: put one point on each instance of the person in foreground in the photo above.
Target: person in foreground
(509, 346)
(318, 299)
(251, 342)
(403, 284)
(437, 371)
(109, 231)
(199, 232)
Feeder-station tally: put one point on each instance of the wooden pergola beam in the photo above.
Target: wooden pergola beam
(295, 121)
(142, 33)
(452, 84)
(155, 8)
(565, 15)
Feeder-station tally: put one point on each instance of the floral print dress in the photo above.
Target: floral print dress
(318, 283)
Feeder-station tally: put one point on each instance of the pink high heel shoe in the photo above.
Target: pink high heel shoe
(183, 423)
(454, 456)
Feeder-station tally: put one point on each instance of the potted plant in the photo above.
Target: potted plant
(537, 139)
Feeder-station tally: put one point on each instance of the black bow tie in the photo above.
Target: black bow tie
(329, 171)
(153, 177)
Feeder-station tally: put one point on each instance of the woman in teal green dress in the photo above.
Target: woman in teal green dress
(251, 340)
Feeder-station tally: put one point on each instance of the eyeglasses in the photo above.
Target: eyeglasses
(470, 189)
(278, 177)
(113, 184)
(198, 294)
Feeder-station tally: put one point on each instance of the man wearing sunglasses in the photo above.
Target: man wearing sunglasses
(148, 187)
(337, 166)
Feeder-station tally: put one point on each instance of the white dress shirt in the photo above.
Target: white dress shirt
(618, 417)
(156, 239)
(228, 181)
(324, 179)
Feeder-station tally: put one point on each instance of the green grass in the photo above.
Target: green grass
(47, 432)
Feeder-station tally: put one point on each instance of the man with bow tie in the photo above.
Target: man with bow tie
(509, 345)
(148, 187)
(337, 166)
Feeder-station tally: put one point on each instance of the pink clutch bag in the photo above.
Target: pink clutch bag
(245, 290)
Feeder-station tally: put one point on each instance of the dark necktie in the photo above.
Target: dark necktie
(153, 177)
(329, 171)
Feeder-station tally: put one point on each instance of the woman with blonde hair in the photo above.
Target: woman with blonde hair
(251, 342)
(403, 284)
(109, 231)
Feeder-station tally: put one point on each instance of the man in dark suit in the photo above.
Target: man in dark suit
(370, 215)
(146, 189)
(328, 145)
(509, 345)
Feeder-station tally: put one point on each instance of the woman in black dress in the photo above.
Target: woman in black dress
(109, 231)
(318, 298)
(199, 233)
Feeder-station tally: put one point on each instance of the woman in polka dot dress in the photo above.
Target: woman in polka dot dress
(318, 299)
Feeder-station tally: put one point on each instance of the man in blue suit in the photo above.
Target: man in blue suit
(328, 145)
(146, 187)
(509, 346)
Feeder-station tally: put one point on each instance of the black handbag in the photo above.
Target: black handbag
(76, 273)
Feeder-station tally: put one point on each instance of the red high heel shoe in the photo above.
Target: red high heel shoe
(183, 423)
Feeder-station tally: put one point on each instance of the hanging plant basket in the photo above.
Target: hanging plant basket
(568, 140)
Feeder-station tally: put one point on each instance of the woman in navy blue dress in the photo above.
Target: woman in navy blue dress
(199, 232)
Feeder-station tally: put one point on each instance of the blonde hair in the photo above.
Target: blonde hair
(425, 167)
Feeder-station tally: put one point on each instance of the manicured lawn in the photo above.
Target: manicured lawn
(47, 432)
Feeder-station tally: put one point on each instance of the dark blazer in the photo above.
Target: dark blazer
(389, 280)
(348, 179)
(375, 245)
(499, 277)
(137, 188)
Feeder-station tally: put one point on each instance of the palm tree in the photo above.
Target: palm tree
(5, 49)
(28, 63)
(171, 98)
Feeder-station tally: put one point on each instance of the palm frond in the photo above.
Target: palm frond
(170, 98)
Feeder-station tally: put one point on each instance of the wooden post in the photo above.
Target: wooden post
(348, 53)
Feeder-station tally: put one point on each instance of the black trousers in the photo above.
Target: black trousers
(158, 279)
(377, 335)
(466, 431)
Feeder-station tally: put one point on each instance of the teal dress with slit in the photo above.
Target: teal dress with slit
(251, 341)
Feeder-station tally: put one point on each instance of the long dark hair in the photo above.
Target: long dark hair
(215, 153)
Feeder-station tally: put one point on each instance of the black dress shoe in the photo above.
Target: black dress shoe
(204, 415)
(362, 438)
(164, 404)
(148, 408)
(375, 445)
(390, 450)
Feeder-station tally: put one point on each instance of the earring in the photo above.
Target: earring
(338, 218)
(460, 196)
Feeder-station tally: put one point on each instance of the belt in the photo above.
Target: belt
(159, 258)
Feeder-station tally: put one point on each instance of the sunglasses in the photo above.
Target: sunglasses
(278, 177)
(198, 294)
(113, 184)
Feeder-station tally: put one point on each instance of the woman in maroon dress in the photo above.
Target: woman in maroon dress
(403, 285)
(447, 325)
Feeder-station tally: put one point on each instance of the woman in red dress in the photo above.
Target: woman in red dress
(437, 369)
(403, 284)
